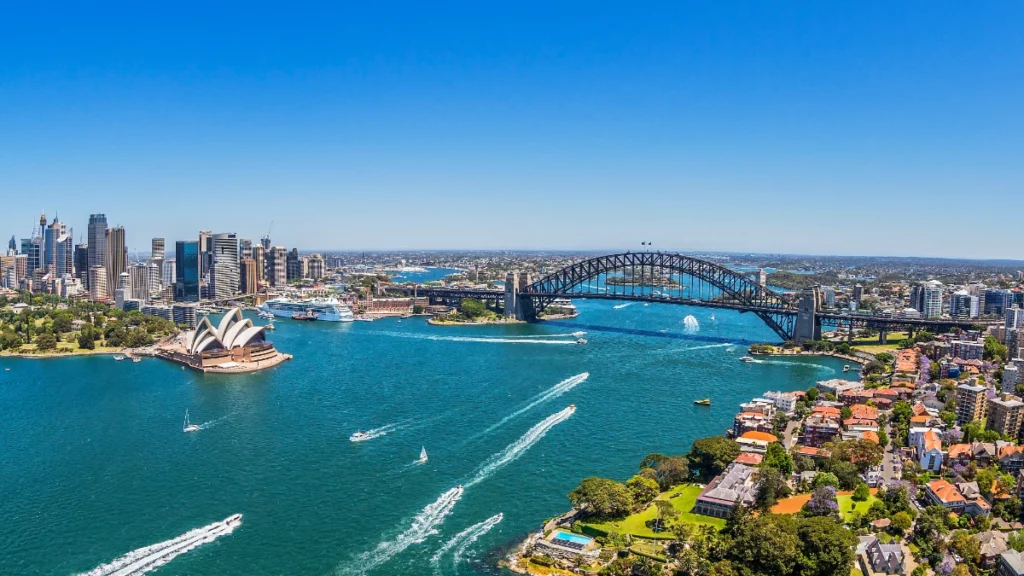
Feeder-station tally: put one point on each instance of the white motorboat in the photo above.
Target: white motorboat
(581, 341)
(359, 436)
(187, 427)
(119, 357)
(423, 456)
(746, 359)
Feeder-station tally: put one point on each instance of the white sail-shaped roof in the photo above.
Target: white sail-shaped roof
(233, 331)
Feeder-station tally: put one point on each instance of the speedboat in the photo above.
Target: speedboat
(234, 519)
(581, 341)
(270, 327)
(746, 359)
(703, 402)
(359, 436)
(187, 427)
(846, 368)
(572, 407)
(119, 357)
(136, 359)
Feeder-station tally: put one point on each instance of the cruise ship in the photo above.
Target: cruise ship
(326, 309)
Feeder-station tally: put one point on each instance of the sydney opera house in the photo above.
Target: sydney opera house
(234, 344)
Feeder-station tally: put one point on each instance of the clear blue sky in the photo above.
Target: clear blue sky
(809, 127)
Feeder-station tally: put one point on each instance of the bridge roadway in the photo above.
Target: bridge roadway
(832, 319)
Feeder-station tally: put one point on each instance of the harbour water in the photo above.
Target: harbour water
(94, 463)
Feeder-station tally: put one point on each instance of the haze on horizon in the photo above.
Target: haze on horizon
(805, 128)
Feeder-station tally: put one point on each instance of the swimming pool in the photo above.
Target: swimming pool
(574, 538)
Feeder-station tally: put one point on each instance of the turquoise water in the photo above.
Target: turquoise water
(95, 465)
(570, 537)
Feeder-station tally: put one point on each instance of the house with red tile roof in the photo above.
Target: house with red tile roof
(942, 493)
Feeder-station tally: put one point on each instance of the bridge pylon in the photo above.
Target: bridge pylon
(808, 325)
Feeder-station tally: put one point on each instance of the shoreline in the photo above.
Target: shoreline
(434, 322)
(60, 354)
(851, 359)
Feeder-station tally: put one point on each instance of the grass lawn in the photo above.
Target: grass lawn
(64, 348)
(635, 524)
(871, 345)
(794, 504)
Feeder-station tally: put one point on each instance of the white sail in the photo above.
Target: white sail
(184, 426)
(423, 454)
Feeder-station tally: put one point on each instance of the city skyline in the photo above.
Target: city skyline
(715, 127)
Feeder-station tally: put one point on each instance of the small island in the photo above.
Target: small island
(471, 312)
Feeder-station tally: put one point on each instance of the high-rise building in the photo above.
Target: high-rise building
(186, 271)
(858, 293)
(1004, 415)
(82, 264)
(52, 235)
(185, 314)
(277, 266)
(98, 283)
(117, 254)
(224, 274)
(259, 255)
(12, 246)
(138, 282)
(168, 276)
(315, 267)
(157, 251)
(931, 298)
(917, 297)
(97, 241)
(970, 403)
(265, 242)
(1014, 320)
(294, 267)
(155, 278)
(963, 305)
(248, 278)
(205, 252)
(36, 255)
(994, 302)
(244, 248)
(1011, 377)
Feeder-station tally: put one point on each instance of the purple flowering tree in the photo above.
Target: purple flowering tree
(946, 568)
(952, 437)
(926, 370)
(823, 502)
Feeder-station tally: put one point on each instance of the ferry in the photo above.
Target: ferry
(326, 309)
(746, 359)
(703, 402)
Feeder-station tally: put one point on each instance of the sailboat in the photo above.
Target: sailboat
(712, 317)
(423, 456)
(186, 427)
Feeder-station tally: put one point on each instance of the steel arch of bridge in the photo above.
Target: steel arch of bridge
(737, 292)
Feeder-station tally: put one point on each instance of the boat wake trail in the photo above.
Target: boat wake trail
(707, 347)
(566, 335)
(553, 392)
(423, 526)
(212, 423)
(789, 363)
(152, 557)
(386, 429)
(463, 540)
(621, 306)
(519, 447)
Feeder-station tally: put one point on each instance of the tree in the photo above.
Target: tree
(825, 479)
(966, 547)
(994, 350)
(861, 493)
(1016, 541)
(666, 511)
(823, 502)
(46, 341)
(765, 545)
(901, 412)
(602, 497)
(61, 323)
(771, 486)
(812, 394)
(902, 521)
(652, 460)
(472, 308)
(417, 309)
(644, 490)
(709, 456)
(827, 547)
(845, 413)
(776, 457)
(672, 471)
(896, 499)
(86, 338)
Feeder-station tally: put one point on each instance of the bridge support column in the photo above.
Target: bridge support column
(883, 337)
(511, 294)
(808, 325)
(849, 334)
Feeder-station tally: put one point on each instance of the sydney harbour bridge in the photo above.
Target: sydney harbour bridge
(677, 279)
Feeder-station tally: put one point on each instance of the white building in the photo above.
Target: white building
(931, 299)
(784, 401)
(964, 305)
(837, 386)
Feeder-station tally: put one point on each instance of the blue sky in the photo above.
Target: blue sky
(889, 128)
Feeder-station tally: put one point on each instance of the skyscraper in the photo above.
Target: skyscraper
(52, 235)
(205, 252)
(82, 264)
(248, 279)
(97, 241)
(64, 253)
(12, 246)
(224, 274)
(186, 264)
(259, 255)
(244, 248)
(98, 283)
(293, 270)
(265, 242)
(117, 255)
(157, 252)
(277, 266)
(963, 305)
(315, 266)
(995, 302)
(932, 299)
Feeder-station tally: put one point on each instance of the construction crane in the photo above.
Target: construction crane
(267, 235)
